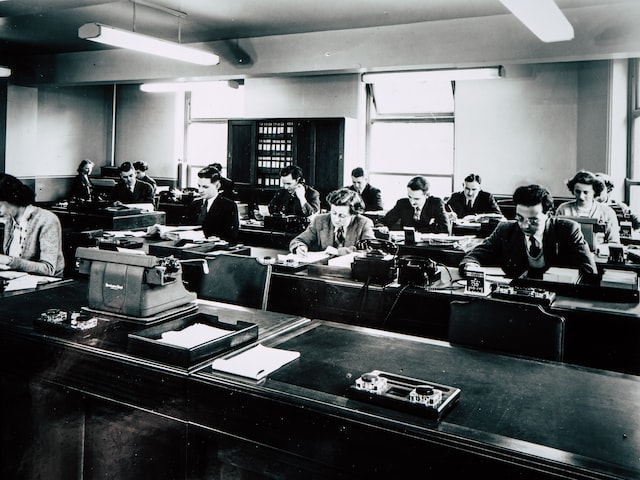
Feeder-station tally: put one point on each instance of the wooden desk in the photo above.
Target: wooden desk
(90, 221)
(598, 334)
(88, 408)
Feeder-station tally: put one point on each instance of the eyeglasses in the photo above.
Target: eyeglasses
(531, 221)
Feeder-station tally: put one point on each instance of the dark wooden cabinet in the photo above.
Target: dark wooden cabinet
(258, 149)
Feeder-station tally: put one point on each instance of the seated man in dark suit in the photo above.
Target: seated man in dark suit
(534, 241)
(217, 214)
(129, 189)
(472, 200)
(419, 210)
(371, 196)
(341, 228)
(294, 198)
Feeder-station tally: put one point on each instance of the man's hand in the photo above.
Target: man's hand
(301, 250)
(300, 192)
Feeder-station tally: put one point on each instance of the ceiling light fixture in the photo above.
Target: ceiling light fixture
(543, 18)
(164, 87)
(434, 75)
(5, 72)
(97, 32)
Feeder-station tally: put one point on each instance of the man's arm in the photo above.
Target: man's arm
(375, 202)
(311, 204)
(489, 252)
(308, 238)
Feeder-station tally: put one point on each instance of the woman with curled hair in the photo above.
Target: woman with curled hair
(32, 235)
(586, 188)
(341, 228)
(81, 187)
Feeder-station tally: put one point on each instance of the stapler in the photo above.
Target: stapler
(132, 284)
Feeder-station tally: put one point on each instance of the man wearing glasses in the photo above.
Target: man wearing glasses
(533, 242)
(339, 230)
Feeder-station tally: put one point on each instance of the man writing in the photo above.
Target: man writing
(371, 196)
(472, 200)
(533, 242)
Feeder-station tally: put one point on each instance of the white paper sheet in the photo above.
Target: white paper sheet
(256, 362)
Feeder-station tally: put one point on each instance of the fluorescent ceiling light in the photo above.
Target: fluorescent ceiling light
(96, 32)
(163, 87)
(5, 72)
(543, 18)
(434, 75)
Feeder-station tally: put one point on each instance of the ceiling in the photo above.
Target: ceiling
(41, 27)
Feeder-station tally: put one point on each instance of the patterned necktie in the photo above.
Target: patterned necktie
(340, 237)
(534, 248)
(416, 214)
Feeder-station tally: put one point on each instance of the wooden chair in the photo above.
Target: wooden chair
(237, 279)
(507, 327)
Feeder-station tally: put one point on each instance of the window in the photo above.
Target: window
(410, 132)
(209, 108)
(634, 115)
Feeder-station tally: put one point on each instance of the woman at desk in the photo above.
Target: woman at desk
(81, 187)
(32, 235)
(586, 188)
(341, 228)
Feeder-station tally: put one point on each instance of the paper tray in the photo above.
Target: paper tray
(146, 342)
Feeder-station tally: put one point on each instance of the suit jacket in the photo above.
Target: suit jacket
(320, 233)
(371, 196)
(142, 193)
(287, 204)
(484, 203)
(221, 220)
(433, 218)
(562, 244)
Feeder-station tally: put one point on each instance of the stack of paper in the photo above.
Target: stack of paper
(562, 275)
(193, 335)
(257, 362)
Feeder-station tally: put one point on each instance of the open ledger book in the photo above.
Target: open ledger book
(256, 362)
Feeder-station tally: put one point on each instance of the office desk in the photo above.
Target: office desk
(90, 221)
(598, 334)
(87, 408)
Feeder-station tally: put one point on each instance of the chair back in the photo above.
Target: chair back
(236, 279)
(507, 327)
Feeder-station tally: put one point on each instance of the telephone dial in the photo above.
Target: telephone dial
(377, 247)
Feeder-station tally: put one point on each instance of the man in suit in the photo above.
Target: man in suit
(472, 200)
(419, 210)
(128, 189)
(294, 198)
(217, 214)
(533, 242)
(371, 196)
(341, 228)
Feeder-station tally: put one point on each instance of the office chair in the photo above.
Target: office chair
(236, 279)
(507, 327)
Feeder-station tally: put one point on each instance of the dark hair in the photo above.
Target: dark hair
(125, 167)
(15, 192)
(607, 180)
(293, 170)
(419, 183)
(358, 172)
(217, 166)
(530, 195)
(346, 197)
(209, 172)
(587, 178)
(142, 166)
(84, 163)
(472, 177)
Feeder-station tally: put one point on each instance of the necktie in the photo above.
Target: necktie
(469, 204)
(416, 214)
(534, 248)
(340, 237)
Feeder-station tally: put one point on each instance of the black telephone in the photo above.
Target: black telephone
(377, 247)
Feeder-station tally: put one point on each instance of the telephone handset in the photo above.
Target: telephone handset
(377, 247)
